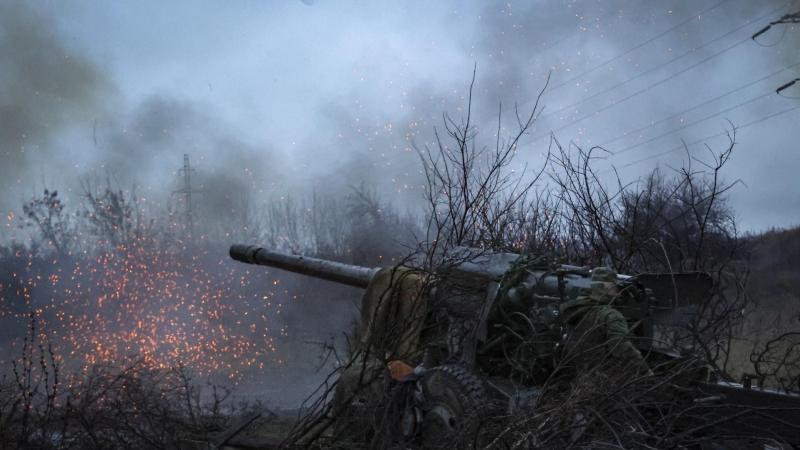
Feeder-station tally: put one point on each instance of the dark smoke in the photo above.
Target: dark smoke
(48, 90)
(147, 147)
(45, 88)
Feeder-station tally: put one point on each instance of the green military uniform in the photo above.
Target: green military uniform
(600, 333)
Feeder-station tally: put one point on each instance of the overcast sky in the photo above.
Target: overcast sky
(285, 96)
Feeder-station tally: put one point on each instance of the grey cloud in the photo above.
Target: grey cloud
(45, 87)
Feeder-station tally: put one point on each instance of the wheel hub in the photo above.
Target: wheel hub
(440, 420)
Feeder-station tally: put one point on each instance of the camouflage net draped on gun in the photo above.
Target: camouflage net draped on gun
(393, 311)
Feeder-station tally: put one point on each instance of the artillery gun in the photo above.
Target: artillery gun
(482, 306)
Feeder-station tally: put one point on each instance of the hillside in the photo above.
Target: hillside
(773, 285)
(775, 264)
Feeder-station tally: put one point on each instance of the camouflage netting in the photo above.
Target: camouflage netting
(393, 311)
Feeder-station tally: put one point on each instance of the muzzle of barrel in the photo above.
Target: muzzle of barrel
(244, 253)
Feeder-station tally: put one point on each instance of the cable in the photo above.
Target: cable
(701, 140)
(660, 82)
(693, 17)
(690, 124)
(705, 118)
(638, 76)
(643, 90)
(548, 49)
(695, 107)
(790, 98)
(698, 106)
(656, 84)
(406, 167)
(660, 66)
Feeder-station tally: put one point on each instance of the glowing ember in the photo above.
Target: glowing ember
(163, 306)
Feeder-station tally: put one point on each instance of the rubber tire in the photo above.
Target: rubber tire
(453, 398)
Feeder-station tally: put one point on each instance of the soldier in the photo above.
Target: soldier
(599, 332)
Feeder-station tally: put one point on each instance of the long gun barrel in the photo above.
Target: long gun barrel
(319, 268)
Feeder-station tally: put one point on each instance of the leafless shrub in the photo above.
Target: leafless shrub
(777, 362)
(360, 229)
(46, 217)
(28, 401)
(110, 216)
(659, 223)
(677, 221)
(474, 199)
(662, 224)
(109, 407)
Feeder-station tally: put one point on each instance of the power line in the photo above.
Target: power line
(693, 17)
(643, 90)
(703, 119)
(698, 106)
(691, 124)
(555, 44)
(658, 83)
(659, 66)
(703, 139)
(392, 158)
(706, 118)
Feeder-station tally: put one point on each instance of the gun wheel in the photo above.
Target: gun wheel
(452, 398)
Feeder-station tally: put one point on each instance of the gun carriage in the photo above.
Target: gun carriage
(480, 306)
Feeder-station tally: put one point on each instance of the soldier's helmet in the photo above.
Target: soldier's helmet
(604, 274)
(608, 287)
(603, 286)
